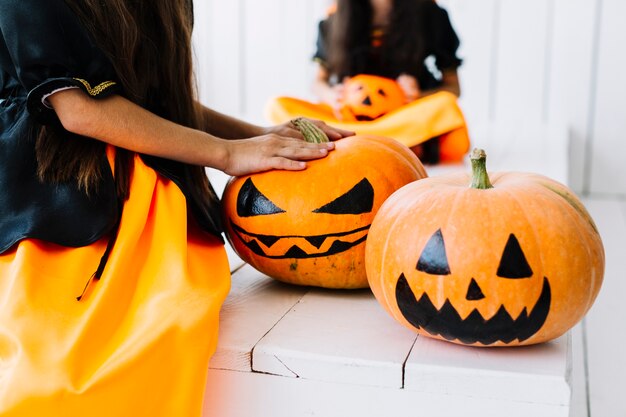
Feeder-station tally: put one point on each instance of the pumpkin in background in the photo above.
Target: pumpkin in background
(309, 227)
(367, 97)
(514, 263)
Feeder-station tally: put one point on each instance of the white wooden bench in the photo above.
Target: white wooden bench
(287, 351)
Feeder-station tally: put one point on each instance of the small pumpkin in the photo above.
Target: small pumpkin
(367, 97)
(309, 227)
(514, 259)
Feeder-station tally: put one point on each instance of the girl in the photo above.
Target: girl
(389, 38)
(112, 268)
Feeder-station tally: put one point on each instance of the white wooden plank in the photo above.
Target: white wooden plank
(475, 24)
(255, 304)
(521, 51)
(244, 394)
(336, 336)
(535, 374)
(579, 405)
(570, 77)
(217, 47)
(608, 172)
(605, 320)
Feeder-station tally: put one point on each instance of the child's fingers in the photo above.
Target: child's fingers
(298, 152)
(287, 164)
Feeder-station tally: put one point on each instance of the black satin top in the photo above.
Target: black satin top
(44, 48)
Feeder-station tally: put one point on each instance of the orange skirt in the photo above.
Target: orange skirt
(437, 115)
(139, 342)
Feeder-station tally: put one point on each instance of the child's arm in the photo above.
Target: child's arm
(120, 122)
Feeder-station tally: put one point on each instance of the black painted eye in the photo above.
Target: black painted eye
(251, 202)
(434, 260)
(360, 199)
(513, 263)
(382, 92)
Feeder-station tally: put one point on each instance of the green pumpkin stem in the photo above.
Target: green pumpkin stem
(480, 179)
(310, 131)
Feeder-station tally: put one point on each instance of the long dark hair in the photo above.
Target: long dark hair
(350, 37)
(149, 46)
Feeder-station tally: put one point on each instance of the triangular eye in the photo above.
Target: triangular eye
(250, 202)
(434, 260)
(360, 199)
(513, 263)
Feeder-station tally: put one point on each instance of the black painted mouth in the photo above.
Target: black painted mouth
(447, 323)
(340, 244)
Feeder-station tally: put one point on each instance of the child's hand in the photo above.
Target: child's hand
(271, 151)
(410, 86)
(289, 130)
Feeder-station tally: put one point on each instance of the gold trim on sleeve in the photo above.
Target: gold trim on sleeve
(94, 91)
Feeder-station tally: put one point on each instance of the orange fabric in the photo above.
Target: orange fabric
(139, 342)
(412, 124)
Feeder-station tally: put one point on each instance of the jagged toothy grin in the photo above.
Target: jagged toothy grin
(328, 244)
(447, 322)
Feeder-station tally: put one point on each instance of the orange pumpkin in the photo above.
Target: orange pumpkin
(367, 97)
(514, 263)
(309, 227)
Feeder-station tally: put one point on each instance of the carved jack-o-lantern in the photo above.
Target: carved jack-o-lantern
(516, 263)
(367, 97)
(309, 227)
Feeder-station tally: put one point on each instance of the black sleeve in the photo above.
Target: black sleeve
(442, 37)
(321, 53)
(51, 50)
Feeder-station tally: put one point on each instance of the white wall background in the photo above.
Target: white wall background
(526, 63)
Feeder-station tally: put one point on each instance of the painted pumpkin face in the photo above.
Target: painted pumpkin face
(309, 227)
(367, 97)
(474, 320)
(516, 264)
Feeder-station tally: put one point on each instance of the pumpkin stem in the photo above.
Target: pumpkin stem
(480, 179)
(310, 131)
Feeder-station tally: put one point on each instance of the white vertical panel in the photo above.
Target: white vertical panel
(277, 52)
(570, 81)
(605, 338)
(475, 23)
(217, 46)
(318, 10)
(297, 42)
(608, 170)
(520, 71)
